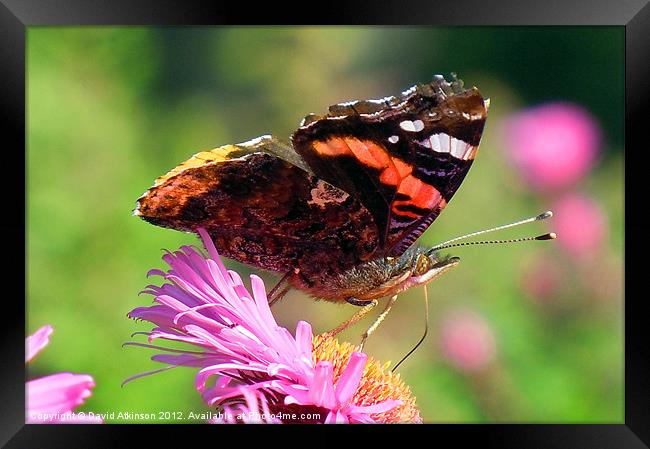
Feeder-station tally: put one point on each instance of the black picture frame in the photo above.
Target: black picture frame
(634, 16)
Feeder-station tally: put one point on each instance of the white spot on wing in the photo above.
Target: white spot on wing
(435, 143)
(407, 125)
(393, 139)
(444, 143)
(415, 126)
(458, 148)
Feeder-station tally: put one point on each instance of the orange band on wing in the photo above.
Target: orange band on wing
(368, 153)
(333, 147)
(403, 168)
(421, 194)
(394, 172)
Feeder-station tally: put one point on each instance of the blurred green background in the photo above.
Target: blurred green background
(112, 108)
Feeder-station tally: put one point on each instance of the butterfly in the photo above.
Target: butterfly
(337, 210)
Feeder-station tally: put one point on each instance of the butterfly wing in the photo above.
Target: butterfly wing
(402, 157)
(262, 206)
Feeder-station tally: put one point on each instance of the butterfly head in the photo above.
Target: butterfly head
(426, 266)
(417, 266)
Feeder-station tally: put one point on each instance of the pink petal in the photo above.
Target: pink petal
(58, 393)
(296, 394)
(259, 294)
(212, 250)
(304, 338)
(336, 418)
(37, 341)
(198, 361)
(156, 272)
(321, 391)
(349, 380)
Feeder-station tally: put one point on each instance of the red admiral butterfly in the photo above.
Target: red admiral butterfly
(338, 210)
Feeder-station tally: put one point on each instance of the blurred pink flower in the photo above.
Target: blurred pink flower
(580, 224)
(51, 399)
(553, 145)
(467, 340)
(542, 279)
(247, 361)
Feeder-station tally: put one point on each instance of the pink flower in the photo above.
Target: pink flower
(467, 341)
(580, 224)
(553, 145)
(51, 399)
(249, 363)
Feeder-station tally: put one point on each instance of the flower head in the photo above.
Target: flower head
(51, 399)
(252, 369)
(553, 145)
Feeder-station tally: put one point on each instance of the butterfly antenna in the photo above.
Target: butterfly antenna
(542, 216)
(548, 236)
(426, 328)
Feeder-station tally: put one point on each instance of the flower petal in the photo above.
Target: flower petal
(37, 341)
(304, 337)
(336, 417)
(57, 393)
(321, 391)
(349, 381)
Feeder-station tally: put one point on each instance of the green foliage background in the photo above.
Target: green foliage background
(112, 108)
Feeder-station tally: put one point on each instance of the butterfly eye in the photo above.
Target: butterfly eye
(391, 260)
(422, 265)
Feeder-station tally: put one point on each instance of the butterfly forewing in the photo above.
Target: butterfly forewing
(403, 161)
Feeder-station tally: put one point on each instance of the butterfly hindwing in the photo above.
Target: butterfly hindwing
(262, 206)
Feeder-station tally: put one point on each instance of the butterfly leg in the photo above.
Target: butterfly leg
(377, 322)
(367, 307)
(279, 295)
(358, 302)
(279, 290)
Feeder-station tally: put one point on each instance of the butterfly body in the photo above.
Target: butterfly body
(338, 209)
(382, 277)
